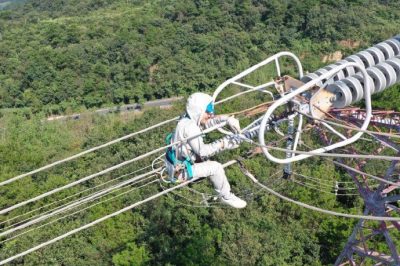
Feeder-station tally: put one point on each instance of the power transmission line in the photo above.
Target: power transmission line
(103, 219)
(71, 196)
(79, 202)
(349, 127)
(340, 155)
(8, 181)
(80, 210)
(304, 205)
(107, 170)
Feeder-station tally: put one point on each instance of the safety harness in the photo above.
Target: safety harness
(179, 166)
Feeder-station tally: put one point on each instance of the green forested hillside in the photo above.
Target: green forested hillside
(60, 54)
(64, 56)
(170, 230)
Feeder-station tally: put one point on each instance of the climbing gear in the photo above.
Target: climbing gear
(180, 169)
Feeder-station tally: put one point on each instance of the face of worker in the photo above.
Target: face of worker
(205, 117)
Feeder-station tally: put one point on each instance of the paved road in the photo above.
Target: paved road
(162, 103)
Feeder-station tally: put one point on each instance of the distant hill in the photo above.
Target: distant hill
(11, 1)
(5, 3)
(57, 55)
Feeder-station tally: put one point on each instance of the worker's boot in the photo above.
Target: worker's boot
(233, 201)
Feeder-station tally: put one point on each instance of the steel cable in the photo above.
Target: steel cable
(79, 202)
(63, 199)
(102, 219)
(8, 181)
(81, 210)
(304, 205)
(107, 170)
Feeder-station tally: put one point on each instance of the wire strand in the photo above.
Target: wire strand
(81, 210)
(316, 182)
(327, 155)
(79, 202)
(315, 178)
(321, 190)
(102, 219)
(349, 127)
(325, 184)
(314, 208)
(154, 151)
(8, 181)
(63, 199)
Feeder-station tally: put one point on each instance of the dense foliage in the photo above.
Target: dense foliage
(168, 230)
(56, 55)
(62, 56)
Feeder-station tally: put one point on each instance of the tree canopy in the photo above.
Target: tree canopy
(61, 56)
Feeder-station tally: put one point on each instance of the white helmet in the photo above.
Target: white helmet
(197, 104)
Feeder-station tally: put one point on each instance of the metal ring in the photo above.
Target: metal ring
(366, 58)
(348, 71)
(386, 49)
(339, 75)
(376, 54)
(379, 79)
(389, 72)
(322, 71)
(395, 63)
(342, 92)
(395, 44)
(310, 77)
(355, 59)
(361, 80)
(355, 87)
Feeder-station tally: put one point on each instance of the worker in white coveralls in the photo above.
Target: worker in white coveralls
(188, 160)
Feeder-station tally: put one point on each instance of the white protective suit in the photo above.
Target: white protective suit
(199, 152)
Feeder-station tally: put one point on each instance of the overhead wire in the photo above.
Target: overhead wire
(340, 155)
(316, 182)
(58, 211)
(8, 181)
(349, 127)
(329, 155)
(66, 207)
(80, 210)
(154, 151)
(101, 172)
(74, 204)
(102, 219)
(366, 174)
(314, 208)
(322, 190)
(326, 184)
(79, 202)
(48, 166)
(71, 196)
(332, 161)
